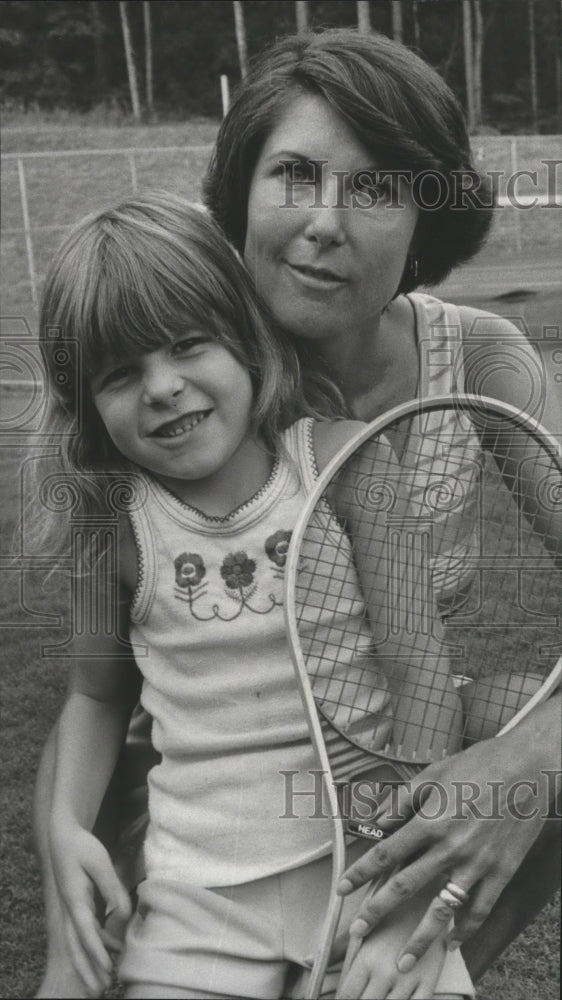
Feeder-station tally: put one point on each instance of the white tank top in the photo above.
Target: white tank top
(208, 632)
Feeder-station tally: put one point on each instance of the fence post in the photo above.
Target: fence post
(513, 152)
(225, 95)
(27, 231)
(133, 168)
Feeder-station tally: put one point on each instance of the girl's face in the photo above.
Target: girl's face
(327, 252)
(183, 411)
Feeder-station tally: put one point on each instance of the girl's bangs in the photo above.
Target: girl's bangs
(127, 318)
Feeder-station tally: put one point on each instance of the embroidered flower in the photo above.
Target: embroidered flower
(190, 569)
(277, 546)
(238, 570)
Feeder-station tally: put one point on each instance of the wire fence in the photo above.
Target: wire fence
(130, 160)
(45, 192)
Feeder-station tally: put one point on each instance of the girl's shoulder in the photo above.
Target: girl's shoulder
(330, 436)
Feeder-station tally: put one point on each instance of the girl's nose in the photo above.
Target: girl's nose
(162, 382)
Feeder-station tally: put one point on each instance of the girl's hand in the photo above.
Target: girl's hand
(372, 973)
(479, 834)
(81, 864)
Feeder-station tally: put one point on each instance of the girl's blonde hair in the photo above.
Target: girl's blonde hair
(136, 276)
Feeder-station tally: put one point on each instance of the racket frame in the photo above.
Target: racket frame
(463, 402)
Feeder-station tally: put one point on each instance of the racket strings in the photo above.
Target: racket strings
(428, 592)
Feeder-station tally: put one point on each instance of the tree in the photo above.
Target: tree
(416, 21)
(69, 54)
(477, 61)
(473, 37)
(149, 78)
(363, 16)
(397, 21)
(558, 69)
(533, 65)
(130, 60)
(241, 43)
(301, 10)
(454, 37)
(468, 67)
(100, 78)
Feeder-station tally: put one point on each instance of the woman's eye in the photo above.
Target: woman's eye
(299, 171)
(370, 182)
(385, 188)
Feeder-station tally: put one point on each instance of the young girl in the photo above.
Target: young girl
(190, 446)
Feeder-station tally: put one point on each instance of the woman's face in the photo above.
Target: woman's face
(327, 251)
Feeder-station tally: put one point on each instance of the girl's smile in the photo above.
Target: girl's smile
(184, 413)
(181, 425)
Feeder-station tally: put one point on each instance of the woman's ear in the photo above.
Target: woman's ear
(415, 247)
(413, 266)
(413, 259)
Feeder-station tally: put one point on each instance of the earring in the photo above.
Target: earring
(413, 265)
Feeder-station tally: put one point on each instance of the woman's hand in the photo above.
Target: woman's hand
(81, 865)
(470, 819)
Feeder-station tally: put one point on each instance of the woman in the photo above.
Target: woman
(318, 114)
(342, 174)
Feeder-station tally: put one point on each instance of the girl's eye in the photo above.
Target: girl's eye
(187, 344)
(109, 378)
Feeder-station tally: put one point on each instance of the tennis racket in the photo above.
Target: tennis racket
(423, 597)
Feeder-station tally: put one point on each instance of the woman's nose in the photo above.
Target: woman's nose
(162, 382)
(327, 214)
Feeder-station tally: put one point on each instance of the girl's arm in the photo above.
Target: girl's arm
(373, 971)
(103, 691)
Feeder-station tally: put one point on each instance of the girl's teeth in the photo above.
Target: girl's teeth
(180, 427)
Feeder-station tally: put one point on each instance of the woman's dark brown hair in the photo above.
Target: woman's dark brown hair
(401, 111)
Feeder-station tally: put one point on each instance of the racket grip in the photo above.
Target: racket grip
(361, 828)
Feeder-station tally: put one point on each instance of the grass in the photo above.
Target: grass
(33, 686)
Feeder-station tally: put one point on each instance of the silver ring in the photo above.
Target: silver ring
(451, 901)
(456, 890)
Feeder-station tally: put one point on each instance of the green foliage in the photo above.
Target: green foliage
(69, 53)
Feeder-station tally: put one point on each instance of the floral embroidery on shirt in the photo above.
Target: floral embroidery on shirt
(277, 547)
(238, 573)
(190, 569)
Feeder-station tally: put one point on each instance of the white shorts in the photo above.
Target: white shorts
(252, 940)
